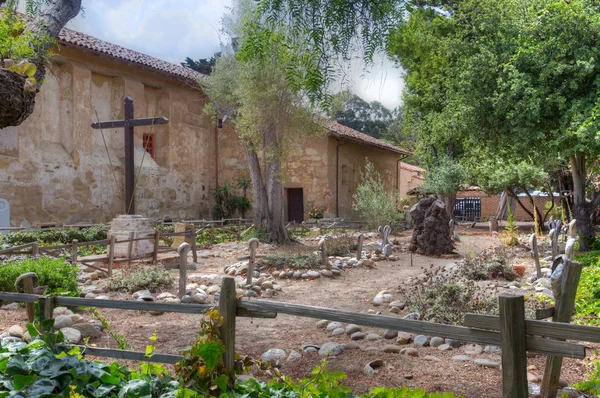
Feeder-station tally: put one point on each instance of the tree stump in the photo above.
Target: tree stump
(431, 235)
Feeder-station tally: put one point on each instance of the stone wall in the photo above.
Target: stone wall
(55, 168)
(310, 164)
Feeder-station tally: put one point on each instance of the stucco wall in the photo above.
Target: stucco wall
(55, 168)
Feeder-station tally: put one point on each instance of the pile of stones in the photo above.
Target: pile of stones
(73, 326)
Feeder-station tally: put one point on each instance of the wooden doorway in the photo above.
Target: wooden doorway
(295, 204)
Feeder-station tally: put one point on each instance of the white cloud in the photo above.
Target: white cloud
(175, 29)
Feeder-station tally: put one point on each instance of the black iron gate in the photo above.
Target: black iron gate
(467, 209)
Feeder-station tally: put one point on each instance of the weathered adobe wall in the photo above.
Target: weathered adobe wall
(352, 159)
(311, 165)
(55, 168)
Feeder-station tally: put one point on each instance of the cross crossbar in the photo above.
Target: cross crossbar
(148, 121)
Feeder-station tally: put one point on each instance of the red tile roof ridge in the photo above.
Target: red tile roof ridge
(411, 167)
(73, 38)
(345, 132)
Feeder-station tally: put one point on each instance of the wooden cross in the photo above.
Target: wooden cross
(128, 123)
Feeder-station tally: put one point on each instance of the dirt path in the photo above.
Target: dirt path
(353, 292)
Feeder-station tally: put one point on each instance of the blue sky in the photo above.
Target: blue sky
(175, 29)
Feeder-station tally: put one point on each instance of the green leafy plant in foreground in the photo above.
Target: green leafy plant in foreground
(292, 260)
(146, 277)
(587, 302)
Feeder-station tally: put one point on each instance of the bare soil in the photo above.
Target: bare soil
(354, 292)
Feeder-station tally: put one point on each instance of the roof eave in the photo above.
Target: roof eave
(371, 144)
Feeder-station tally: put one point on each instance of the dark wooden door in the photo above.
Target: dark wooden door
(295, 204)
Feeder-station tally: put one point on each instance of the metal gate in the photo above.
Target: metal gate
(467, 209)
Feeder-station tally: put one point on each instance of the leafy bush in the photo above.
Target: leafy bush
(53, 236)
(587, 302)
(589, 258)
(489, 264)
(141, 278)
(58, 275)
(340, 245)
(592, 383)
(292, 260)
(374, 204)
(448, 302)
(510, 235)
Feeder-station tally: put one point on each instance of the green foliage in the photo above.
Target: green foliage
(587, 302)
(53, 236)
(58, 275)
(290, 260)
(445, 178)
(145, 277)
(119, 338)
(489, 264)
(203, 65)
(592, 383)
(39, 369)
(371, 200)
(448, 302)
(227, 204)
(589, 258)
(340, 245)
(510, 235)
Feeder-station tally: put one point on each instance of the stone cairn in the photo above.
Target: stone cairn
(431, 235)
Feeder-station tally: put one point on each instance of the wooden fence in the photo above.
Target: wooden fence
(510, 330)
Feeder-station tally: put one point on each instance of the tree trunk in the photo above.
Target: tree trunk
(502, 211)
(450, 202)
(15, 104)
(582, 208)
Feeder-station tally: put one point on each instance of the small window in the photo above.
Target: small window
(148, 141)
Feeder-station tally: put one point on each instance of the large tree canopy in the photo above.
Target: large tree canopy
(30, 42)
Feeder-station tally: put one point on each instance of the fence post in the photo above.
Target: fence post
(253, 244)
(359, 247)
(35, 249)
(74, 251)
(563, 310)
(47, 304)
(514, 346)
(156, 243)
(183, 251)
(227, 310)
(111, 254)
(194, 245)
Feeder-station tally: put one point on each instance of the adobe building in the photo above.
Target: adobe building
(55, 169)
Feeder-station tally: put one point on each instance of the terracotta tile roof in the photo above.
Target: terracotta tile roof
(411, 167)
(71, 38)
(346, 133)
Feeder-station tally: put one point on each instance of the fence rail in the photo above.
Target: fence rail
(510, 330)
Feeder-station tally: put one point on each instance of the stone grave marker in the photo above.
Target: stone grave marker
(4, 215)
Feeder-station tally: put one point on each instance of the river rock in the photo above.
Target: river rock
(492, 349)
(373, 337)
(88, 330)
(413, 316)
(274, 355)
(473, 349)
(462, 358)
(338, 332)
(16, 331)
(436, 342)
(351, 345)
(142, 293)
(431, 358)
(357, 336)
(200, 298)
(186, 299)
(390, 334)
(404, 338)
(334, 325)
(294, 355)
(61, 311)
(72, 336)
(390, 348)
(421, 340)
(322, 324)
(313, 274)
(62, 321)
(410, 351)
(331, 348)
(327, 273)
(445, 347)
(398, 304)
(486, 363)
(352, 328)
